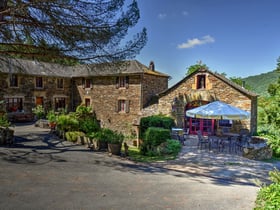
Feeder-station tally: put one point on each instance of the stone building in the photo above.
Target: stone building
(116, 92)
(120, 93)
(202, 87)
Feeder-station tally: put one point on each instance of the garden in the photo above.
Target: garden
(82, 127)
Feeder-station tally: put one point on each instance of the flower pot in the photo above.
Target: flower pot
(114, 149)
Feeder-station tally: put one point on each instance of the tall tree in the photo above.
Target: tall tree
(196, 67)
(86, 30)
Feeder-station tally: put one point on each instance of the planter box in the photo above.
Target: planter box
(114, 149)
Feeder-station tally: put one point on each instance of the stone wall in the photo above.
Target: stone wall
(215, 89)
(28, 92)
(151, 86)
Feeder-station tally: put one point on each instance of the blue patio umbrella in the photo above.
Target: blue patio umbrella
(218, 110)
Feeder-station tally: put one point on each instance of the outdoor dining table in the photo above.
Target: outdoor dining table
(230, 134)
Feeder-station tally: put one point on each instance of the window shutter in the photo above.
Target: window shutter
(117, 82)
(126, 106)
(126, 82)
(117, 106)
(91, 83)
(83, 82)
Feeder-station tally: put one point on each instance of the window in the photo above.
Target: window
(13, 80)
(123, 106)
(59, 83)
(201, 82)
(122, 82)
(14, 104)
(87, 83)
(59, 103)
(87, 102)
(225, 123)
(39, 82)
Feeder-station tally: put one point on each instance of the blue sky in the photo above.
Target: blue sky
(238, 37)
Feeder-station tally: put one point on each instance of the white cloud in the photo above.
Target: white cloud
(162, 16)
(196, 41)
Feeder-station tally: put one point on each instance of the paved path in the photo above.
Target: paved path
(42, 172)
(223, 165)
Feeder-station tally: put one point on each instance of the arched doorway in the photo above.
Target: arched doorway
(206, 126)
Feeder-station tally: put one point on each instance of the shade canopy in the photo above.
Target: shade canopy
(218, 110)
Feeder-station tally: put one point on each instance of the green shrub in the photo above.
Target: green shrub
(4, 122)
(269, 196)
(274, 143)
(107, 135)
(153, 138)
(39, 111)
(89, 125)
(67, 122)
(155, 121)
(73, 135)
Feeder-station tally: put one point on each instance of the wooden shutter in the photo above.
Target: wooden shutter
(126, 82)
(117, 82)
(126, 106)
(83, 82)
(117, 106)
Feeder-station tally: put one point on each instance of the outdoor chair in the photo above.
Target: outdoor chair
(229, 144)
(242, 142)
(202, 141)
(215, 143)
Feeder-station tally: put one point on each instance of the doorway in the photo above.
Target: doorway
(39, 101)
(206, 126)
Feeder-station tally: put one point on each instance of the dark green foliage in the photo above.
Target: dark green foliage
(4, 122)
(172, 147)
(156, 136)
(67, 123)
(269, 196)
(107, 135)
(153, 138)
(155, 121)
(87, 120)
(259, 83)
(70, 31)
(196, 67)
(89, 125)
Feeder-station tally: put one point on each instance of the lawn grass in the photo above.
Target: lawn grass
(135, 155)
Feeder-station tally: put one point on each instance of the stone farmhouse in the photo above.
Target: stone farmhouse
(202, 87)
(117, 93)
(120, 94)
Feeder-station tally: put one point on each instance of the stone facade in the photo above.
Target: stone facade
(116, 94)
(175, 100)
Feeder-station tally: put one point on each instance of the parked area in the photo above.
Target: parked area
(40, 171)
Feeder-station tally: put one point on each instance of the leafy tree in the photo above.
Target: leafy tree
(240, 81)
(278, 65)
(196, 67)
(83, 30)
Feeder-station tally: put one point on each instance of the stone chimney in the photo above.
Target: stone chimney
(152, 66)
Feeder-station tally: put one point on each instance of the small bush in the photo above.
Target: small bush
(155, 121)
(153, 138)
(73, 135)
(269, 196)
(89, 125)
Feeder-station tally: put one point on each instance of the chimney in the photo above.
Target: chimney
(152, 66)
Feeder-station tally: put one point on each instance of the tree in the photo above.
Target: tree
(83, 30)
(196, 67)
(278, 65)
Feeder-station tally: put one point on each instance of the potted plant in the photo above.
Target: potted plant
(115, 141)
(52, 118)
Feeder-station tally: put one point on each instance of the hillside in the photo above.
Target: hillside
(259, 83)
